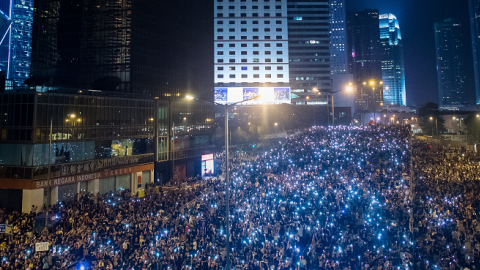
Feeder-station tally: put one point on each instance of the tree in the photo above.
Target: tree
(473, 127)
(430, 119)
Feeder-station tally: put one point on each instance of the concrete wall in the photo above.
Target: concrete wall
(32, 197)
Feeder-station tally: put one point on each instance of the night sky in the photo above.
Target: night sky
(417, 18)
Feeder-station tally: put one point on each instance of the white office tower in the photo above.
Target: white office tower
(251, 50)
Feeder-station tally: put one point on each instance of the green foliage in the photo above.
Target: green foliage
(473, 127)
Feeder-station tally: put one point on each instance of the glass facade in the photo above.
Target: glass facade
(16, 19)
(115, 131)
(475, 32)
(393, 70)
(338, 37)
(451, 73)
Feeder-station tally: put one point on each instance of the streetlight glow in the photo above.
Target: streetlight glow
(189, 97)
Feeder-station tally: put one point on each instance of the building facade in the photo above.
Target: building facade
(55, 146)
(365, 59)
(393, 69)
(251, 47)
(475, 33)
(16, 19)
(451, 73)
(338, 37)
(309, 50)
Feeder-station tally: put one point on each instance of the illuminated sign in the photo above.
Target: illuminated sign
(208, 166)
(269, 95)
(207, 157)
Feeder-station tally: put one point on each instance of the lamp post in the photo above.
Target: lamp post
(227, 176)
(349, 88)
(436, 125)
(373, 84)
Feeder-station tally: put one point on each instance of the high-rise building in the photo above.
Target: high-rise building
(309, 50)
(130, 46)
(475, 31)
(251, 49)
(450, 49)
(393, 69)
(16, 19)
(338, 37)
(365, 59)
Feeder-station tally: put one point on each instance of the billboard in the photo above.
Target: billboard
(269, 95)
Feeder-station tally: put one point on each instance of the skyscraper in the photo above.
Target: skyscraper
(475, 30)
(251, 49)
(393, 70)
(450, 49)
(309, 49)
(16, 18)
(124, 45)
(365, 58)
(338, 37)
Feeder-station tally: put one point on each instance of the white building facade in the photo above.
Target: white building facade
(251, 43)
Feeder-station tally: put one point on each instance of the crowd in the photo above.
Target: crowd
(336, 199)
(447, 207)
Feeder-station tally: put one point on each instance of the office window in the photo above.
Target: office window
(219, 68)
(267, 37)
(244, 37)
(220, 37)
(256, 52)
(231, 53)
(256, 76)
(279, 45)
(268, 68)
(279, 75)
(243, 7)
(232, 76)
(268, 60)
(267, 29)
(278, 14)
(231, 68)
(266, 22)
(219, 22)
(220, 15)
(243, 22)
(279, 29)
(220, 45)
(231, 30)
(231, 7)
(244, 76)
(220, 53)
(243, 15)
(256, 68)
(279, 60)
(231, 22)
(279, 52)
(231, 14)
(278, 22)
(219, 0)
(266, 7)
(243, 30)
(268, 52)
(279, 37)
(268, 76)
(255, 22)
(220, 30)
(244, 60)
(243, 45)
(255, 29)
(255, 45)
(266, 15)
(278, 7)
(297, 18)
(244, 52)
(255, 15)
(231, 45)
(255, 37)
(244, 68)
(220, 76)
(267, 45)
(219, 60)
(231, 60)
(231, 37)
(220, 7)
(256, 60)
(279, 68)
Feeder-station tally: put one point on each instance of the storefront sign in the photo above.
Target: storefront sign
(91, 176)
(5, 228)
(96, 165)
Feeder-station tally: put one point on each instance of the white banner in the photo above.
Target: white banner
(43, 246)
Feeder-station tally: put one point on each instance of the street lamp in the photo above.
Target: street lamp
(227, 178)
(348, 88)
(436, 125)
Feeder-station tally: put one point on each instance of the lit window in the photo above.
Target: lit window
(297, 18)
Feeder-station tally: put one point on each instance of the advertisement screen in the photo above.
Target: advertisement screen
(269, 95)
